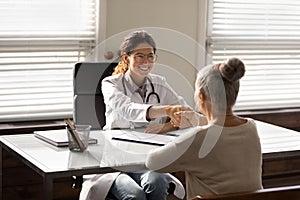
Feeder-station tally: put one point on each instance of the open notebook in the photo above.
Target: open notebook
(57, 138)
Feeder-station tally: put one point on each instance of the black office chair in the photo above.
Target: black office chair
(89, 107)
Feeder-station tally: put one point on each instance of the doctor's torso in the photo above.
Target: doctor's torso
(125, 107)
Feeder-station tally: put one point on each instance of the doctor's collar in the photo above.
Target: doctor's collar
(131, 82)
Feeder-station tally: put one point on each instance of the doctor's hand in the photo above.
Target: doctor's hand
(155, 127)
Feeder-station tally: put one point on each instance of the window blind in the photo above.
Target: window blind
(266, 36)
(39, 43)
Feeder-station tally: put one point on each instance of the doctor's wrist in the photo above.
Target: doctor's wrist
(156, 112)
(169, 111)
(148, 118)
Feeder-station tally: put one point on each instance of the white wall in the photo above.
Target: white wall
(178, 27)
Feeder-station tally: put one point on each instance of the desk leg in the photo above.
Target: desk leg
(48, 188)
(1, 172)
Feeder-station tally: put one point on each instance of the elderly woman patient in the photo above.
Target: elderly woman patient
(223, 156)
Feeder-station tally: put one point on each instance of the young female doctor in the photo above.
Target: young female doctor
(133, 98)
(132, 95)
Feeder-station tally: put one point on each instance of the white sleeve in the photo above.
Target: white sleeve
(115, 98)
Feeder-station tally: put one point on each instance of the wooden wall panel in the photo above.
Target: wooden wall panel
(285, 118)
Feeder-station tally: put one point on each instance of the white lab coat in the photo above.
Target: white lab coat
(124, 111)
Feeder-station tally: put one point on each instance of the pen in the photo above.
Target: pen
(74, 134)
(142, 142)
(171, 134)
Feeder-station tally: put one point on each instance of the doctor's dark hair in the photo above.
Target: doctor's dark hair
(219, 81)
(130, 42)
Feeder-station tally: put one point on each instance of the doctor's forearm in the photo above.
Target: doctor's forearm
(164, 111)
(157, 112)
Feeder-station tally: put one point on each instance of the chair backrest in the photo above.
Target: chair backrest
(277, 193)
(89, 107)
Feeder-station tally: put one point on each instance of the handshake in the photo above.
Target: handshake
(184, 116)
(180, 117)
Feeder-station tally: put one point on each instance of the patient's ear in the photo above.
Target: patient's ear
(201, 97)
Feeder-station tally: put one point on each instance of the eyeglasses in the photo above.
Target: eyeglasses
(140, 58)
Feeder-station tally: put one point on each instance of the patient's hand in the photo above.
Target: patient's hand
(170, 110)
(184, 119)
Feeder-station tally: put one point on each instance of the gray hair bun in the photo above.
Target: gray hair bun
(233, 70)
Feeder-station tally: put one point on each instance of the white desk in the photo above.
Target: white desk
(277, 139)
(110, 155)
(54, 162)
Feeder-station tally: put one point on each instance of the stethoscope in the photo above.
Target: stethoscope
(148, 96)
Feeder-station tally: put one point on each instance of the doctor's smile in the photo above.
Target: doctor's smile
(144, 68)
